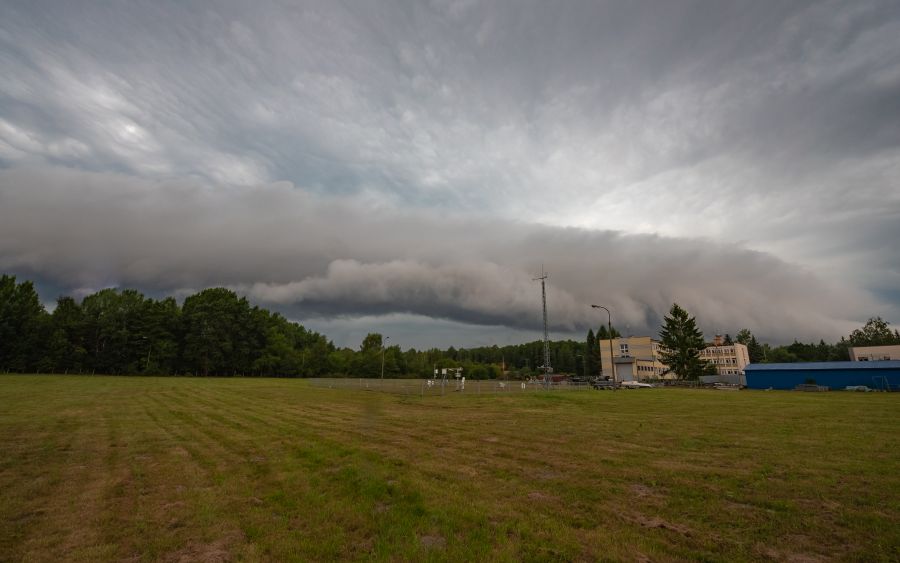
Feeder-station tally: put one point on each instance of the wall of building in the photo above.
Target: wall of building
(729, 359)
(874, 353)
(832, 374)
(643, 349)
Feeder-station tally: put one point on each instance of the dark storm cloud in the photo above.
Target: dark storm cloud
(324, 257)
(498, 134)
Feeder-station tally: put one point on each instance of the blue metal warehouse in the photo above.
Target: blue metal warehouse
(836, 375)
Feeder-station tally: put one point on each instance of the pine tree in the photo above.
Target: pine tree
(682, 341)
(590, 353)
(755, 350)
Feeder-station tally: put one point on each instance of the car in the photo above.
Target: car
(603, 384)
(635, 385)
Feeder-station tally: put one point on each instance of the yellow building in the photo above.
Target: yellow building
(729, 359)
(635, 357)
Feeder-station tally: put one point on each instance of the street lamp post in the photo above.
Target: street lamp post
(612, 364)
(386, 338)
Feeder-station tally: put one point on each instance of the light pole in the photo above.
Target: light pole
(612, 364)
(382, 356)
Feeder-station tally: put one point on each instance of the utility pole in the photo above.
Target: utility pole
(546, 367)
(386, 338)
(612, 364)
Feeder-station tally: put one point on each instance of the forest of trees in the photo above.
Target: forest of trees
(876, 332)
(217, 333)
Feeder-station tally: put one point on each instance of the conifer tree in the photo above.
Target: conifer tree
(683, 341)
(592, 368)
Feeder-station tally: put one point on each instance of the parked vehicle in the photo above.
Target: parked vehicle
(635, 385)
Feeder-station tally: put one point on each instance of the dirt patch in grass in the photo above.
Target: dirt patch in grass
(433, 542)
(217, 551)
(790, 557)
(656, 522)
(541, 497)
(645, 492)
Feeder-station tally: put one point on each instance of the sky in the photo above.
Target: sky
(409, 167)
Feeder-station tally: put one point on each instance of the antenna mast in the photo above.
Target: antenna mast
(546, 367)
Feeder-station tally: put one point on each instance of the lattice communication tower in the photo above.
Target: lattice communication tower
(546, 367)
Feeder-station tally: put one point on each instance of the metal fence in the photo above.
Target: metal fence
(437, 387)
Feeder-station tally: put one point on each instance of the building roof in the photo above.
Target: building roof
(800, 366)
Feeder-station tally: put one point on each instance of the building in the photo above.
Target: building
(883, 375)
(729, 359)
(874, 353)
(635, 358)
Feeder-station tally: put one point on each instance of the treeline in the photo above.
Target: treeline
(217, 333)
(214, 332)
(520, 360)
(876, 332)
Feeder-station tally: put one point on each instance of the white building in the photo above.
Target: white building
(729, 359)
(874, 353)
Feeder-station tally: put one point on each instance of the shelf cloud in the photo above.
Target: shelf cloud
(423, 159)
(315, 256)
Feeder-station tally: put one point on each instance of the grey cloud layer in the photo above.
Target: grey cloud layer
(470, 105)
(319, 257)
(772, 125)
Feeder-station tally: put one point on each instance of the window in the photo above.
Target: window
(623, 349)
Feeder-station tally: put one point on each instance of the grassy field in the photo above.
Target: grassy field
(172, 469)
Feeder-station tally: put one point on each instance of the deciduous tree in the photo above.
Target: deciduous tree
(876, 332)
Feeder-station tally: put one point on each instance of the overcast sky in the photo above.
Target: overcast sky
(408, 167)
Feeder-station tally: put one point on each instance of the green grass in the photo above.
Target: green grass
(147, 469)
